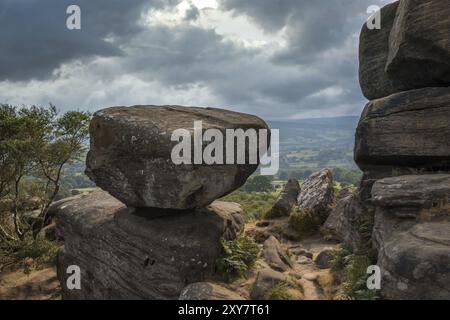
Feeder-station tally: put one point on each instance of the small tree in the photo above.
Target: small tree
(67, 144)
(259, 184)
(35, 144)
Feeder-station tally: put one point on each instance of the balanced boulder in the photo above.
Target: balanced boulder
(131, 155)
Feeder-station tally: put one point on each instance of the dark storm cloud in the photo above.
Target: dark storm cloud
(35, 41)
(315, 71)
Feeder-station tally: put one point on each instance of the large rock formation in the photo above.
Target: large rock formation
(405, 132)
(126, 253)
(419, 44)
(373, 55)
(412, 235)
(403, 147)
(131, 148)
(410, 51)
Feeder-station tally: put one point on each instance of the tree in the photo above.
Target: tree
(67, 144)
(35, 145)
(259, 184)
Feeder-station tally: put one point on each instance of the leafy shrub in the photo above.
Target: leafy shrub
(28, 254)
(283, 291)
(254, 204)
(239, 256)
(258, 184)
(350, 272)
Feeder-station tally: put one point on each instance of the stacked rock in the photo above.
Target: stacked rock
(403, 147)
(157, 227)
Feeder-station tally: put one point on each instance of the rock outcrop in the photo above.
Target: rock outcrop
(373, 55)
(410, 51)
(412, 235)
(405, 132)
(126, 253)
(157, 227)
(317, 195)
(131, 155)
(285, 201)
(419, 44)
(403, 147)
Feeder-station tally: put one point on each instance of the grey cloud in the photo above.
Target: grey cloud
(35, 40)
(321, 53)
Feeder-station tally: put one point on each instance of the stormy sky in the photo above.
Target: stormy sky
(279, 59)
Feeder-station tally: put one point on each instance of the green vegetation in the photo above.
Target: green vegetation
(239, 256)
(36, 145)
(258, 184)
(283, 291)
(350, 272)
(28, 254)
(254, 204)
(303, 223)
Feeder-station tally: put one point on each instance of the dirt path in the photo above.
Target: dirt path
(38, 285)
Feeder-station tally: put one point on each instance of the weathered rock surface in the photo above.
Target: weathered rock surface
(419, 44)
(286, 200)
(130, 156)
(343, 223)
(405, 132)
(373, 55)
(125, 253)
(208, 291)
(275, 256)
(407, 196)
(412, 235)
(265, 280)
(316, 195)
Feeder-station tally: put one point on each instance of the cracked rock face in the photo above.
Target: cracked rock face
(316, 195)
(373, 55)
(405, 132)
(412, 235)
(125, 253)
(131, 148)
(410, 51)
(419, 44)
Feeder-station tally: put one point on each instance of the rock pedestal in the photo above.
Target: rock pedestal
(157, 227)
(125, 254)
